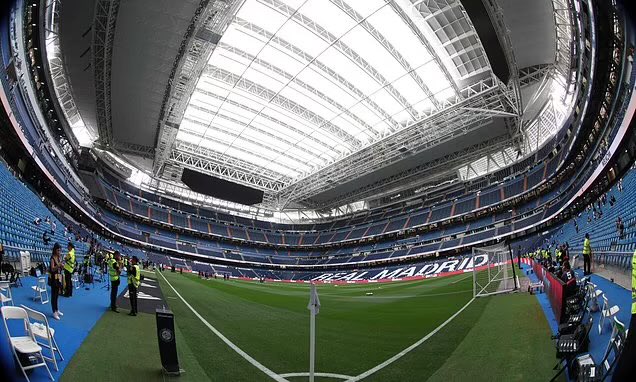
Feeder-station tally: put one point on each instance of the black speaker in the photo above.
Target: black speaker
(167, 341)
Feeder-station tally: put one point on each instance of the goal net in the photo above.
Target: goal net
(493, 271)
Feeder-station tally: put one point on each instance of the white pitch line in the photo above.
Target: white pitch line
(326, 375)
(229, 343)
(462, 279)
(408, 349)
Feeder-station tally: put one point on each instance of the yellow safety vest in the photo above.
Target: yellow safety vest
(587, 248)
(70, 261)
(112, 271)
(634, 283)
(135, 278)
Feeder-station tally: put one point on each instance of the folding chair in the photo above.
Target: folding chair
(587, 369)
(23, 344)
(40, 328)
(607, 312)
(40, 291)
(5, 293)
(594, 295)
(75, 281)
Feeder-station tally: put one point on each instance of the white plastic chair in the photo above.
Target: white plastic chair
(5, 293)
(607, 312)
(23, 344)
(40, 291)
(75, 281)
(41, 329)
(594, 294)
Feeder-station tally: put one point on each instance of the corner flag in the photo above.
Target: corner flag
(314, 301)
(314, 307)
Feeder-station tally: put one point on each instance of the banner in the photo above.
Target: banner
(554, 288)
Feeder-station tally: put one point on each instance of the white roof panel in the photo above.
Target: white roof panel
(295, 85)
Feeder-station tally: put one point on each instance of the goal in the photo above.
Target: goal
(493, 271)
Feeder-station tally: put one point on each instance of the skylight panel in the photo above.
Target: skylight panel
(346, 124)
(366, 7)
(234, 36)
(387, 102)
(349, 70)
(373, 53)
(262, 15)
(273, 83)
(191, 126)
(282, 59)
(298, 35)
(433, 77)
(290, 119)
(364, 112)
(247, 99)
(206, 84)
(327, 15)
(226, 63)
(403, 118)
(309, 102)
(184, 136)
(328, 86)
(303, 155)
(266, 124)
(409, 89)
(203, 116)
(445, 94)
(267, 142)
(400, 35)
(424, 107)
(205, 100)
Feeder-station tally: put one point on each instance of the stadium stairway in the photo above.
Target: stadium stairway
(19, 207)
(81, 313)
(603, 233)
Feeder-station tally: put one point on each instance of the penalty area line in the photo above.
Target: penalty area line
(229, 343)
(408, 349)
(325, 375)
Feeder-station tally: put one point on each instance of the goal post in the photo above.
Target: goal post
(493, 271)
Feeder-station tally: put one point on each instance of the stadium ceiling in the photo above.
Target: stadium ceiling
(298, 97)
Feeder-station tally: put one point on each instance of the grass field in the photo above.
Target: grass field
(496, 338)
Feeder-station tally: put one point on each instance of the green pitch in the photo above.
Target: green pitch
(497, 338)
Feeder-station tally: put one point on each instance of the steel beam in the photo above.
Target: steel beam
(386, 44)
(329, 72)
(535, 73)
(225, 168)
(210, 19)
(433, 130)
(284, 103)
(425, 42)
(412, 178)
(306, 22)
(133, 148)
(296, 81)
(104, 24)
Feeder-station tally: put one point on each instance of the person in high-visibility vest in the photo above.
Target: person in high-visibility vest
(587, 255)
(114, 271)
(626, 367)
(134, 281)
(69, 268)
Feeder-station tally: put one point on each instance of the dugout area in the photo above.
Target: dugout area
(504, 337)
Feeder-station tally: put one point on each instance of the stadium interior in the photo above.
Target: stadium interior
(246, 190)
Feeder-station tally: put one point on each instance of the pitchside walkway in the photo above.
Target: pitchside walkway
(81, 313)
(616, 295)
